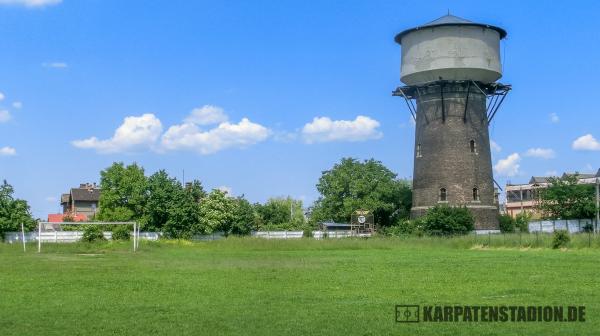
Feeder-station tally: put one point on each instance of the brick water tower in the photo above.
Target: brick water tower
(450, 67)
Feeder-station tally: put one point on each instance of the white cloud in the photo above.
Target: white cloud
(494, 146)
(30, 3)
(542, 153)
(227, 135)
(17, 105)
(586, 142)
(7, 151)
(56, 65)
(4, 116)
(554, 118)
(206, 115)
(2, 96)
(323, 129)
(134, 133)
(509, 166)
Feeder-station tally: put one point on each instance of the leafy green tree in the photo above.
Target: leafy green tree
(448, 220)
(163, 194)
(566, 198)
(352, 185)
(244, 218)
(183, 216)
(13, 211)
(217, 212)
(281, 213)
(123, 194)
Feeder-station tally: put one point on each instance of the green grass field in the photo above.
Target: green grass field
(302, 287)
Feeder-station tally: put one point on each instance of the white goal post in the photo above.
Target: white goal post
(56, 227)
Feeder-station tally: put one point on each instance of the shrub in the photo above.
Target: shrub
(588, 228)
(507, 223)
(560, 239)
(522, 221)
(404, 227)
(121, 232)
(447, 220)
(307, 232)
(92, 233)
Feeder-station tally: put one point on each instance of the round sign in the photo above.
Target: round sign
(362, 219)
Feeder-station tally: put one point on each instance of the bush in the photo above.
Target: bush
(404, 227)
(507, 223)
(589, 227)
(121, 232)
(560, 239)
(307, 232)
(92, 233)
(522, 221)
(447, 220)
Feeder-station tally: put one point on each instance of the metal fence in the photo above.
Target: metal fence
(570, 225)
(73, 236)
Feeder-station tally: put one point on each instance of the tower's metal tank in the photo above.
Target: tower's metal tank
(450, 48)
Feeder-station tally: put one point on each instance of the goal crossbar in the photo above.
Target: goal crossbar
(136, 230)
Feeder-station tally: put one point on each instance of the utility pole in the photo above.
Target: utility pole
(597, 202)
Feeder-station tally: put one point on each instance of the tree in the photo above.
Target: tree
(13, 211)
(566, 198)
(216, 212)
(244, 218)
(184, 216)
(281, 213)
(163, 194)
(448, 220)
(123, 194)
(352, 185)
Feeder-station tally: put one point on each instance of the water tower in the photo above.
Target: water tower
(450, 67)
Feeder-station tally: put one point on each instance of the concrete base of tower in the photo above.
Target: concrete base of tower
(486, 216)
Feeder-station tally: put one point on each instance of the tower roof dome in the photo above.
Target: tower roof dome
(449, 20)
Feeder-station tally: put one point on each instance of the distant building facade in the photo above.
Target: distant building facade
(525, 197)
(79, 204)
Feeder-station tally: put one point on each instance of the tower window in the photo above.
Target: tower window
(475, 194)
(443, 196)
(419, 151)
(473, 146)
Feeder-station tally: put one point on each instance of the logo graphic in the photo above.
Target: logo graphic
(407, 313)
(362, 219)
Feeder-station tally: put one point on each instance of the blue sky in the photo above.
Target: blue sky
(229, 90)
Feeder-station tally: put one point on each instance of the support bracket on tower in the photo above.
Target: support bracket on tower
(409, 103)
(443, 107)
(500, 92)
(497, 185)
(467, 102)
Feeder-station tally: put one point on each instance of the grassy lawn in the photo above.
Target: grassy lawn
(301, 287)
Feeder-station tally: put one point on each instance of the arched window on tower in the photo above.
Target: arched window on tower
(443, 195)
(473, 146)
(475, 194)
(419, 151)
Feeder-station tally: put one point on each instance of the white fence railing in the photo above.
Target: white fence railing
(73, 236)
(570, 225)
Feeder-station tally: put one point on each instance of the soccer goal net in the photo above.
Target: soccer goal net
(69, 232)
